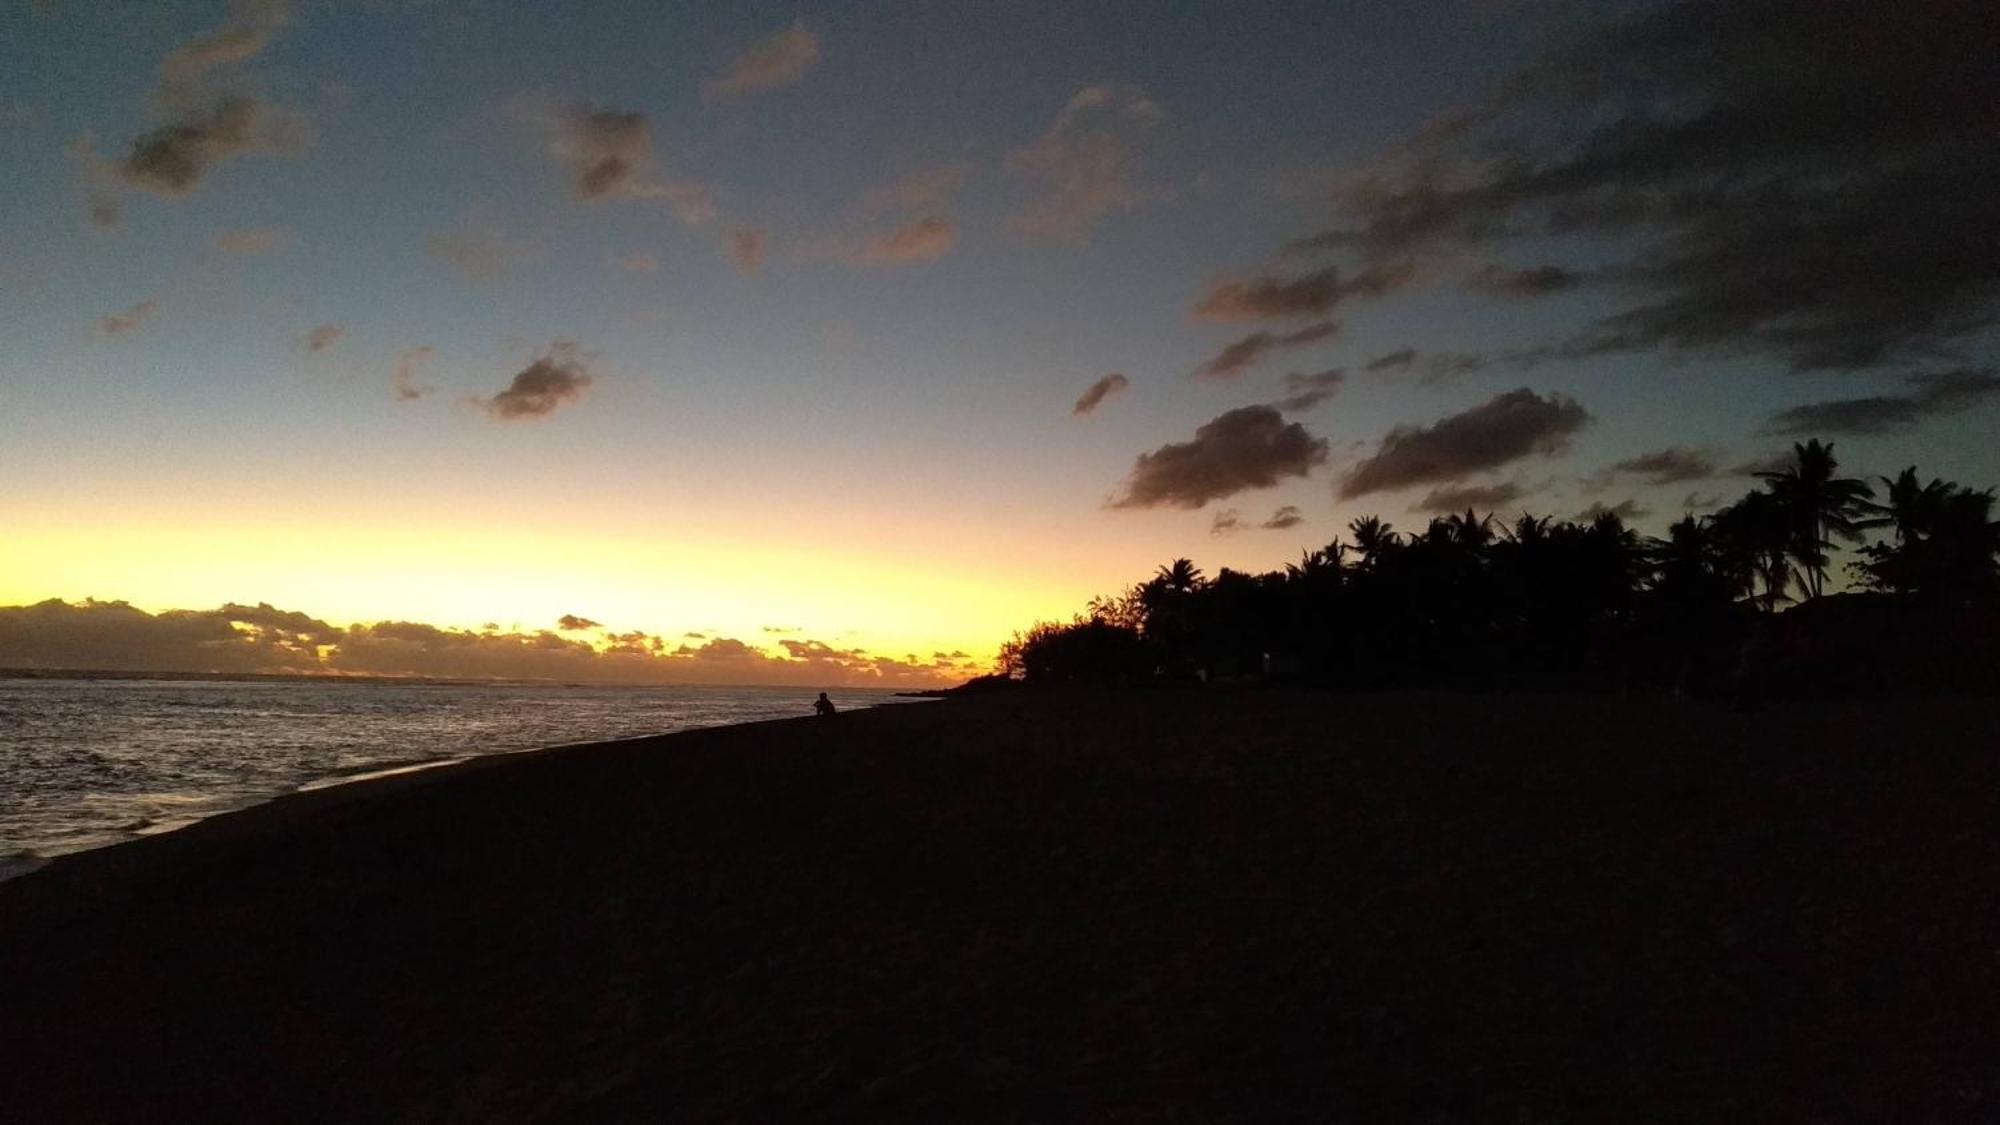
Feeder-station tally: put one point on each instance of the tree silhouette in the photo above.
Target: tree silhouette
(1543, 603)
(1817, 507)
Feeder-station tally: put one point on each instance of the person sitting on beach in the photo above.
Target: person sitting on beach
(823, 705)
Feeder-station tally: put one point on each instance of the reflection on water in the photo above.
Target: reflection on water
(85, 763)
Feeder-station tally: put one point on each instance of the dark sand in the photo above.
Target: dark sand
(1136, 907)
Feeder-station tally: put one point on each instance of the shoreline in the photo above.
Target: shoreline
(1061, 906)
(206, 806)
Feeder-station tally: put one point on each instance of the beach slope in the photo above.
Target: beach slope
(1037, 907)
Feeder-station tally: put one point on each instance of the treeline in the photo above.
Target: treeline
(1734, 602)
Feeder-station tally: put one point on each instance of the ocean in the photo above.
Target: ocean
(90, 762)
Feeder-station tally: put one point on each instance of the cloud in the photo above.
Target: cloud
(117, 324)
(1303, 392)
(1672, 465)
(608, 154)
(250, 242)
(1625, 510)
(172, 160)
(1313, 295)
(571, 623)
(1236, 358)
(1809, 181)
(1930, 396)
(404, 382)
(1469, 497)
(1082, 163)
(1285, 517)
(634, 262)
(16, 114)
(1500, 431)
(746, 249)
(1228, 521)
(1524, 284)
(1402, 357)
(557, 376)
(235, 638)
(1094, 396)
(322, 337)
(913, 244)
(480, 249)
(243, 36)
(1249, 447)
(929, 189)
(768, 64)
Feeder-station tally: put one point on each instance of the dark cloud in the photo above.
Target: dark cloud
(1285, 517)
(571, 623)
(919, 241)
(1082, 163)
(608, 154)
(1303, 392)
(404, 382)
(1313, 295)
(769, 64)
(1228, 521)
(1811, 179)
(322, 337)
(1537, 281)
(1661, 467)
(173, 159)
(1402, 357)
(557, 376)
(1625, 510)
(1500, 431)
(1249, 447)
(746, 249)
(117, 324)
(1104, 388)
(1236, 358)
(1460, 498)
(1930, 396)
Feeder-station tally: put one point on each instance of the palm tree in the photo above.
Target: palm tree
(1373, 538)
(1817, 507)
(1180, 576)
(1753, 538)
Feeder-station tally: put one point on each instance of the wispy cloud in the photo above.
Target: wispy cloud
(480, 249)
(1303, 392)
(251, 242)
(768, 64)
(403, 383)
(322, 337)
(1239, 356)
(1930, 396)
(746, 249)
(913, 244)
(1094, 396)
(1082, 164)
(117, 324)
(1311, 295)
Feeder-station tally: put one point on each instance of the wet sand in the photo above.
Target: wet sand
(1255, 906)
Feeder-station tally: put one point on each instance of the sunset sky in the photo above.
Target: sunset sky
(891, 328)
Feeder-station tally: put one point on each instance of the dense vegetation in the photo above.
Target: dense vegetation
(1735, 601)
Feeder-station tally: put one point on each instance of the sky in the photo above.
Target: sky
(802, 343)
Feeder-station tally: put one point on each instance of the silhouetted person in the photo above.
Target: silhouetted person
(823, 706)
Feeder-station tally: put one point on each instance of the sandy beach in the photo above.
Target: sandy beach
(1045, 906)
